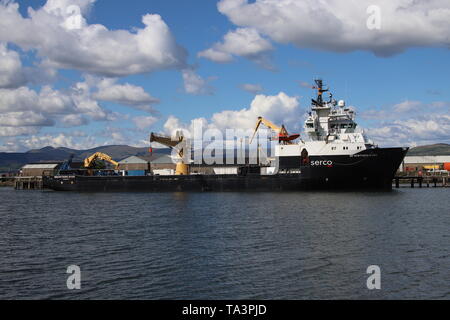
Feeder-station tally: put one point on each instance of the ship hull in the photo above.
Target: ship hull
(370, 169)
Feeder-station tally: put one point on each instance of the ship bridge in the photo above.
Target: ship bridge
(331, 129)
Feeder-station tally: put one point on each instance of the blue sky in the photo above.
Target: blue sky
(397, 78)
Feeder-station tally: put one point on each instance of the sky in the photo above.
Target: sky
(86, 73)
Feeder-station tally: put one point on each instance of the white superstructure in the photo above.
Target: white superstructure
(331, 130)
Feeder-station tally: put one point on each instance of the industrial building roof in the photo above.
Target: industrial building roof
(40, 166)
(154, 159)
(162, 159)
(133, 160)
(427, 159)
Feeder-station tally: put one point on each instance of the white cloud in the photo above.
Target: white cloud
(14, 75)
(216, 55)
(244, 42)
(48, 101)
(252, 88)
(409, 123)
(74, 120)
(25, 107)
(341, 26)
(194, 84)
(407, 106)
(11, 73)
(87, 105)
(25, 119)
(15, 132)
(66, 140)
(144, 123)
(173, 124)
(405, 110)
(125, 94)
(280, 109)
(66, 40)
(422, 130)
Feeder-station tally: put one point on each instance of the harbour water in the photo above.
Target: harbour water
(299, 245)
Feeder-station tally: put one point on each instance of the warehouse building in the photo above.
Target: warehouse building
(141, 165)
(426, 163)
(39, 169)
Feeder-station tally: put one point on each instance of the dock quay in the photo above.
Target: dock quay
(28, 183)
(7, 181)
(36, 182)
(421, 182)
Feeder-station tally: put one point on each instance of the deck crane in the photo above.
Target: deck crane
(282, 135)
(88, 162)
(178, 143)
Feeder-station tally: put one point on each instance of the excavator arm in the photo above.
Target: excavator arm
(99, 156)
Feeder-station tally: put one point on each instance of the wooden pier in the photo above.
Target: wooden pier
(28, 183)
(424, 181)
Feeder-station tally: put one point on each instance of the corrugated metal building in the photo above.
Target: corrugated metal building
(133, 163)
(162, 162)
(147, 163)
(39, 169)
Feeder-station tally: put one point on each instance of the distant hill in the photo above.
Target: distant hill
(440, 149)
(14, 161)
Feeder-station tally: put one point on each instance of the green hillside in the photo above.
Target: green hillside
(441, 149)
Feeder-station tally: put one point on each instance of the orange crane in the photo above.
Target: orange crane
(282, 135)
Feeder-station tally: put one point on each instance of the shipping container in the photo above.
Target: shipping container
(136, 173)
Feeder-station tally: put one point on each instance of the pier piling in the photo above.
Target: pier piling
(434, 181)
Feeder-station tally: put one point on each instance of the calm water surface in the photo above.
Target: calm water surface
(304, 245)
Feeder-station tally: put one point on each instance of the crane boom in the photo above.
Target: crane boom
(283, 135)
(100, 156)
(169, 142)
(176, 144)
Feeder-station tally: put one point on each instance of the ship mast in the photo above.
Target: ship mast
(320, 92)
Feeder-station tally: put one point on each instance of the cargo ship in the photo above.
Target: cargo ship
(336, 155)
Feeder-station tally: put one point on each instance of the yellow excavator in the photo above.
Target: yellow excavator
(88, 162)
(178, 144)
(283, 136)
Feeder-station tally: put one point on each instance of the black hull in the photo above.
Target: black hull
(370, 169)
